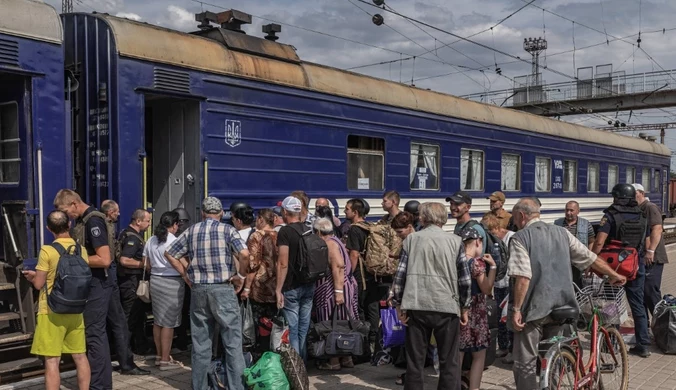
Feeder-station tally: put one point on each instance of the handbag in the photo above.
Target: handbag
(344, 337)
(394, 333)
(622, 259)
(143, 289)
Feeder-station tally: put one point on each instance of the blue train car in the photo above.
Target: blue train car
(169, 117)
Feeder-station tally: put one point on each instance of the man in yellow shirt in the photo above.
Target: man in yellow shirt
(57, 333)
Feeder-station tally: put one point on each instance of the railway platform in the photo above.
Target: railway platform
(654, 372)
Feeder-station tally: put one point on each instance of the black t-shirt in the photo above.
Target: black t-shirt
(96, 236)
(131, 247)
(288, 236)
(356, 241)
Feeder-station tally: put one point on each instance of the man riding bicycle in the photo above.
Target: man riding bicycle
(541, 255)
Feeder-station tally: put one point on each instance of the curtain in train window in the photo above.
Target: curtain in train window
(645, 179)
(630, 176)
(656, 180)
(613, 173)
(510, 179)
(569, 176)
(424, 168)
(593, 177)
(471, 170)
(543, 174)
(365, 163)
(9, 143)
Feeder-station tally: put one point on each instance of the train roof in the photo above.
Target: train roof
(30, 19)
(191, 51)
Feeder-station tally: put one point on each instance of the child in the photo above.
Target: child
(475, 338)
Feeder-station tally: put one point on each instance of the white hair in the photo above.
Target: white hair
(324, 226)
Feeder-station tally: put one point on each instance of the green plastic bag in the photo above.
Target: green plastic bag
(267, 374)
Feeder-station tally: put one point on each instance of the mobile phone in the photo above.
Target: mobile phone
(30, 264)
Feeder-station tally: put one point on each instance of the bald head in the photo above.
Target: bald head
(525, 210)
(58, 223)
(110, 209)
(321, 202)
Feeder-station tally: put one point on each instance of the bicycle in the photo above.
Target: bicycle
(562, 365)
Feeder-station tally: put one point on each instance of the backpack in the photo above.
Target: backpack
(382, 249)
(71, 284)
(500, 253)
(313, 257)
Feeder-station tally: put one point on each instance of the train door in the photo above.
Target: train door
(172, 142)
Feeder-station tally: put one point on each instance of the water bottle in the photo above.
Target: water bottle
(496, 254)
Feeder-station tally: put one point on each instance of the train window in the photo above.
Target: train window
(543, 174)
(645, 178)
(365, 163)
(569, 176)
(424, 172)
(9, 143)
(613, 173)
(510, 175)
(656, 180)
(593, 177)
(471, 170)
(630, 176)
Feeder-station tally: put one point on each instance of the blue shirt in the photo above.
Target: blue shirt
(209, 245)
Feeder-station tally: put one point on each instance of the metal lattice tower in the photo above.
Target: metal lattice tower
(535, 46)
(66, 6)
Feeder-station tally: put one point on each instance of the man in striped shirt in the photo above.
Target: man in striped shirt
(215, 283)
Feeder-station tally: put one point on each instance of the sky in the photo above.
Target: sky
(340, 33)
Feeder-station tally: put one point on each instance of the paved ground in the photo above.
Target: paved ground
(656, 372)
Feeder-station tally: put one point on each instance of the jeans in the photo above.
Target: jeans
(212, 304)
(297, 311)
(652, 289)
(634, 290)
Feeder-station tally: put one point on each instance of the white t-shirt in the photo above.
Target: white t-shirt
(245, 233)
(154, 251)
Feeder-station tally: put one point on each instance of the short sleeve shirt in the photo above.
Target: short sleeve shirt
(96, 236)
(289, 237)
(47, 262)
(654, 216)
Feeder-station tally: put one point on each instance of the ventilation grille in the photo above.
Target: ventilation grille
(171, 80)
(9, 53)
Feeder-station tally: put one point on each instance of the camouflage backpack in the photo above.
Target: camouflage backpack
(382, 249)
(79, 232)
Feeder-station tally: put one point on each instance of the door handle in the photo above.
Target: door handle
(190, 179)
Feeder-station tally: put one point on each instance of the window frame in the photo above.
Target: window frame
(633, 174)
(483, 170)
(371, 152)
(438, 146)
(576, 175)
(643, 178)
(518, 171)
(549, 179)
(655, 180)
(591, 164)
(617, 177)
(17, 140)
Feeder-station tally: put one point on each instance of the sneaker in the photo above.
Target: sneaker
(508, 359)
(639, 350)
(501, 353)
(170, 365)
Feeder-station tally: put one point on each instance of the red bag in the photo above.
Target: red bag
(623, 259)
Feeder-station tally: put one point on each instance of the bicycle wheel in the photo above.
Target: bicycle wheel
(613, 364)
(561, 372)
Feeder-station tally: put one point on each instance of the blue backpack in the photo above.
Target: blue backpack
(71, 284)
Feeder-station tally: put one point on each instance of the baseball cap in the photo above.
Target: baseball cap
(469, 234)
(211, 205)
(460, 197)
(638, 187)
(291, 204)
(277, 210)
(497, 195)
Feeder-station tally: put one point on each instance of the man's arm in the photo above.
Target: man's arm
(656, 229)
(600, 241)
(101, 259)
(282, 267)
(243, 257)
(521, 285)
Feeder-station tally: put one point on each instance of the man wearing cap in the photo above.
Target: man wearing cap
(215, 282)
(461, 202)
(655, 254)
(497, 200)
(293, 296)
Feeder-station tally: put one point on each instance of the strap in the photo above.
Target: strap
(145, 258)
(59, 248)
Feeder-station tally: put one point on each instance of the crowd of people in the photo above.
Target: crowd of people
(198, 275)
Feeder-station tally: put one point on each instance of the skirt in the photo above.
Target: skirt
(166, 294)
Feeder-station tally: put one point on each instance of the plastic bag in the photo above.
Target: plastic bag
(280, 332)
(248, 325)
(394, 333)
(267, 374)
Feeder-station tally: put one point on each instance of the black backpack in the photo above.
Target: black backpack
(312, 263)
(71, 284)
(491, 240)
(631, 232)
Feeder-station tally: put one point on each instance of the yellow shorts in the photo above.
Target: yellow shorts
(56, 334)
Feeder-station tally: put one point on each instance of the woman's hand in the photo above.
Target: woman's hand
(489, 260)
(340, 298)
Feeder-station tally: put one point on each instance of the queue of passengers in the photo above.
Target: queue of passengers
(440, 286)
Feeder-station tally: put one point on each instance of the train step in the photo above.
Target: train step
(21, 364)
(9, 316)
(14, 337)
(6, 286)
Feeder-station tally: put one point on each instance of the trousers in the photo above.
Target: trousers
(98, 350)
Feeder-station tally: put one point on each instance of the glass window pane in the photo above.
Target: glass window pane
(510, 172)
(612, 177)
(471, 170)
(656, 180)
(364, 171)
(645, 178)
(569, 176)
(9, 148)
(543, 174)
(631, 175)
(424, 172)
(593, 177)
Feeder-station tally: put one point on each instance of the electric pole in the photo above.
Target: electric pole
(66, 6)
(535, 46)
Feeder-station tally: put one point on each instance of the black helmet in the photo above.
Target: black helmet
(412, 207)
(182, 214)
(238, 205)
(624, 191)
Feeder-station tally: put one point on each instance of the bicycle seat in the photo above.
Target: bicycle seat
(564, 315)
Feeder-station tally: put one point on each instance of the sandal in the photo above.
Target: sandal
(170, 365)
(157, 359)
(400, 379)
(326, 366)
